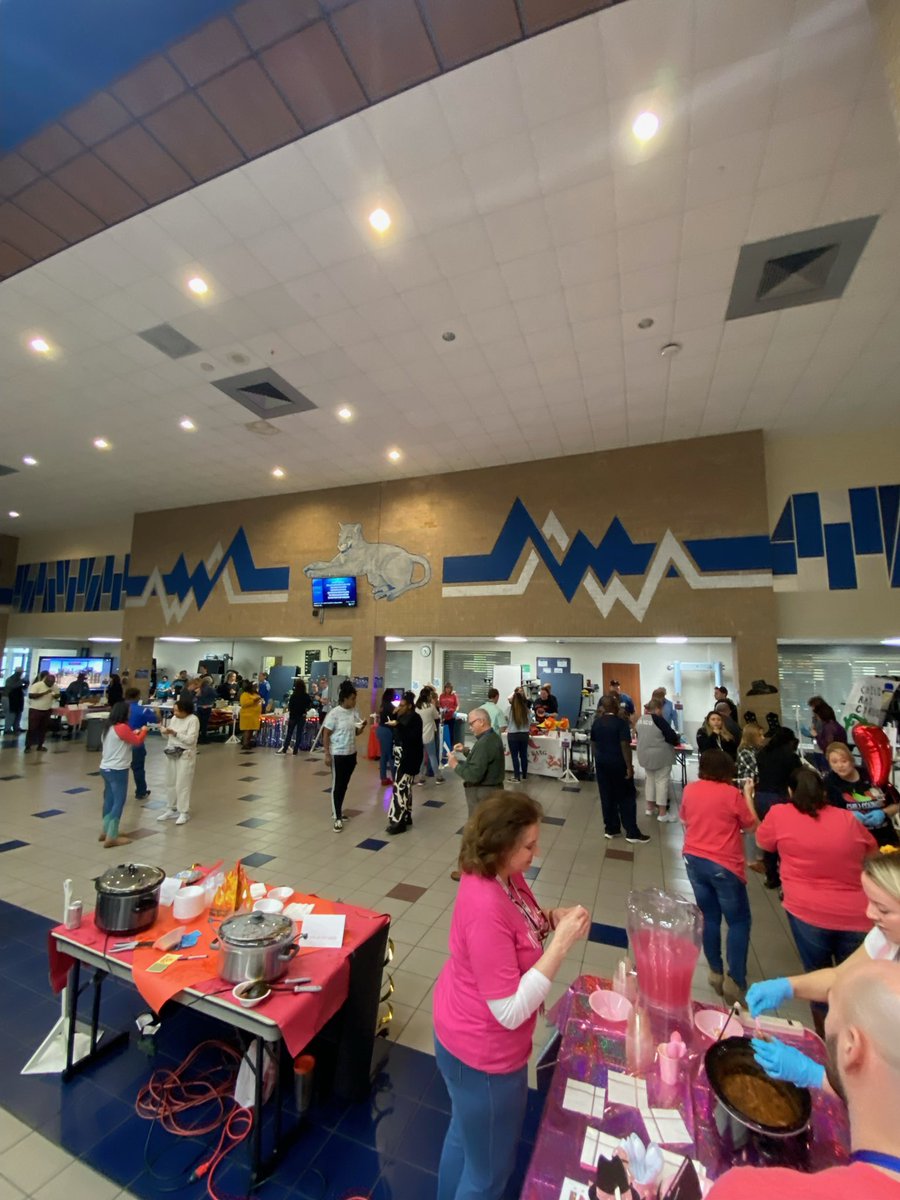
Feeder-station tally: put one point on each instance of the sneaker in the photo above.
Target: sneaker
(338, 826)
(41, 749)
(667, 818)
(638, 839)
(455, 876)
(440, 779)
(610, 836)
(649, 812)
(167, 814)
(420, 783)
(143, 795)
(182, 819)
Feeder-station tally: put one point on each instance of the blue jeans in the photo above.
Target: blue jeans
(115, 790)
(385, 737)
(431, 762)
(138, 764)
(486, 1115)
(719, 893)
(820, 948)
(518, 752)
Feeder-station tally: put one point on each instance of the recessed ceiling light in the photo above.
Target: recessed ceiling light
(13, 513)
(280, 639)
(178, 639)
(198, 286)
(101, 443)
(669, 350)
(510, 638)
(345, 414)
(380, 220)
(39, 345)
(884, 641)
(448, 335)
(278, 472)
(187, 424)
(671, 641)
(394, 455)
(645, 126)
(29, 461)
(645, 323)
(111, 640)
(389, 638)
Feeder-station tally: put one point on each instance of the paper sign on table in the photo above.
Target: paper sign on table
(595, 1144)
(626, 1090)
(324, 932)
(584, 1098)
(665, 1127)
(672, 1165)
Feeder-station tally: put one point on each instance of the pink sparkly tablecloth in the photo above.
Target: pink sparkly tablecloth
(590, 1046)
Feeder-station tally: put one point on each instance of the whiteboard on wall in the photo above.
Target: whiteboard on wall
(506, 680)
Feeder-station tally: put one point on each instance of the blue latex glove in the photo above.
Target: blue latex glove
(873, 818)
(785, 1062)
(768, 994)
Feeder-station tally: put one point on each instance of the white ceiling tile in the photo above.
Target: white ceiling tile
(479, 290)
(481, 102)
(507, 352)
(727, 31)
(330, 364)
(702, 273)
(599, 332)
(432, 304)
(410, 137)
(477, 387)
(438, 196)
(387, 315)
(859, 192)
(725, 101)
(871, 136)
(99, 326)
(282, 253)
(388, 379)
(275, 305)
(807, 145)
(347, 158)
(726, 168)
(110, 258)
(517, 378)
(501, 174)
(643, 41)
(531, 276)
(590, 300)
(571, 52)
(271, 349)
(330, 236)
(317, 294)
(464, 361)
(557, 370)
(346, 328)
(718, 226)
(237, 203)
(128, 311)
(408, 345)
(307, 337)
(653, 285)
(494, 324)
(651, 190)
(653, 243)
(407, 264)
(518, 230)
(361, 279)
(572, 150)
(289, 182)
(461, 248)
(185, 220)
(824, 70)
(582, 212)
(236, 269)
(582, 262)
(786, 209)
(546, 312)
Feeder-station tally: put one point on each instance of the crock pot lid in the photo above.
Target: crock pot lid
(129, 879)
(255, 928)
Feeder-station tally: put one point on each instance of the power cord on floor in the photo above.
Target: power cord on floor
(169, 1097)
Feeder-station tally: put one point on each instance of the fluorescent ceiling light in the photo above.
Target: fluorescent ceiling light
(13, 513)
(104, 639)
(388, 638)
(101, 443)
(178, 639)
(671, 641)
(345, 414)
(645, 126)
(510, 638)
(280, 639)
(884, 641)
(278, 472)
(29, 461)
(39, 345)
(187, 424)
(198, 286)
(380, 220)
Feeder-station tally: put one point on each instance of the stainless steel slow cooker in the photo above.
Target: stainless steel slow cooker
(127, 897)
(256, 945)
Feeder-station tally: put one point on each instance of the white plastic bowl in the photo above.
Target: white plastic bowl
(281, 893)
(268, 905)
(711, 1020)
(240, 994)
(610, 1006)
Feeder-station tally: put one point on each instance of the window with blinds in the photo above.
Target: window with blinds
(826, 671)
(471, 672)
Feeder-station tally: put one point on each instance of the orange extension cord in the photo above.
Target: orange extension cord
(168, 1096)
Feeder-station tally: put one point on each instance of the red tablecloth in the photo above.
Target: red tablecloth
(299, 1017)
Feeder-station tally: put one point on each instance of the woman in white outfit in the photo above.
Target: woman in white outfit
(427, 708)
(656, 742)
(181, 757)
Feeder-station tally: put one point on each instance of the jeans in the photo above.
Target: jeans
(518, 752)
(617, 798)
(819, 948)
(138, 770)
(115, 791)
(432, 759)
(385, 737)
(720, 893)
(486, 1115)
(342, 767)
(656, 791)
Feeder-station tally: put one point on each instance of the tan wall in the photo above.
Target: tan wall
(9, 547)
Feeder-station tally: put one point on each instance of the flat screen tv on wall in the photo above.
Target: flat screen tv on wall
(334, 591)
(67, 668)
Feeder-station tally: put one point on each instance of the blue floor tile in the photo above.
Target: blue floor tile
(379, 1122)
(50, 812)
(253, 823)
(432, 803)
(257, 859)
(118, 1155)
(402, 1181)
(424, 1138)
(532, 873)
(13, 845)
(407, 1071)
(552, 821)
(342, 1168)
(75, 791)
(371, 844)
(251, 796)
(608, 935)
(10, 778)
(85, 1117)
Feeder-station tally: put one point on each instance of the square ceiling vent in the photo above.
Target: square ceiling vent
(264, 393)
(799, 268)
(169, 341)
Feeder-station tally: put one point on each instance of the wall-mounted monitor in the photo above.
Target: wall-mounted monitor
(334, 591)
(66, 669)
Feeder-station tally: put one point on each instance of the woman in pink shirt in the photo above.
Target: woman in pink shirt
(715, 815)
(489, 991)
(822, 850)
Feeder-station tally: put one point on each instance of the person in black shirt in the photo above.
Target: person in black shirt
(850, 786)
(228, 688)
(409, 751)
(546, 704)
(776, 762)
(115, 693)
(611, 740)
(714, 734)
(299, 705)
(722, 697)
(385, 736)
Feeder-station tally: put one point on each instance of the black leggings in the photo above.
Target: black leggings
(342, 767)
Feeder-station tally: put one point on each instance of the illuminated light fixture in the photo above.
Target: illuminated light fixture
(380, 220)
(510, 638)
(280, 639)
(187, 424)
(671, 641)
(179, 639)
(110, 640)
(394, 455)
(884, 641)
(29, 461)
(39, 345)
(345, 414)
(645, 126)
(13, 513)
(389, 638)
(101, 444)
(278, 472)
(198, 286)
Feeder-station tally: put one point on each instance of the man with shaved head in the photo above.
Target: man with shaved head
(482, 766)
(862, 1033)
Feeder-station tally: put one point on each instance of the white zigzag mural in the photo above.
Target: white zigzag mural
(668, 553)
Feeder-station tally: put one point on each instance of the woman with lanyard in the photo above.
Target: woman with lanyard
(881, 883)
(340, 730)
(489, 991)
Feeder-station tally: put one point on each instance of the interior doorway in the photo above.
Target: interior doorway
(629, 677)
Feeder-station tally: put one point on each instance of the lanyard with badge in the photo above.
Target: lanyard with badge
(538, 926)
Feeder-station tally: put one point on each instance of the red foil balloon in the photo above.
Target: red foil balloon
(875, 750)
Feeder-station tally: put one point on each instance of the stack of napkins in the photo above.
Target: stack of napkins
(298, 911)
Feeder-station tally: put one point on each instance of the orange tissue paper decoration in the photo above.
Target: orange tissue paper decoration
(233, 895)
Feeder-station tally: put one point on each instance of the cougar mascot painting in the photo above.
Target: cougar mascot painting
(389, 569)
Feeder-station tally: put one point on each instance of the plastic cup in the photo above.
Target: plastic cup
(670, 1056)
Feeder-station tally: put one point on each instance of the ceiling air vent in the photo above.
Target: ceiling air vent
(799, 268)
(264, 393)
(167, 339)
(8, 470)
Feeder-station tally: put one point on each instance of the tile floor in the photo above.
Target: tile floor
(57, 1144)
